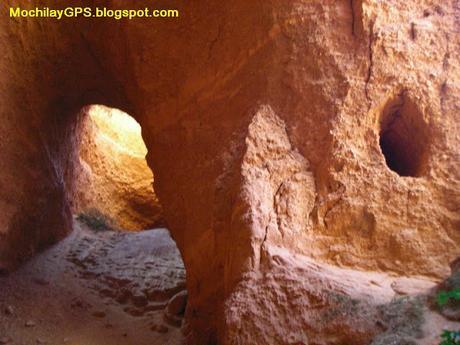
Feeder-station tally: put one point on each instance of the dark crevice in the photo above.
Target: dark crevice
(214, 41)
(352, 18)
(413, 32)
(371, 62)
(403, 137)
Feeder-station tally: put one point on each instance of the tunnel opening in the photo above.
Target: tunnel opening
(113, 193)
(403, 137)
(113, 184)
(118, 277)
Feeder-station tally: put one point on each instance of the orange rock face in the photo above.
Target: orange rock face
(299, 148)
(113, 177)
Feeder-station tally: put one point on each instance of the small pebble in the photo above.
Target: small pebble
(40, 341)
(30, 323)
(5, 340)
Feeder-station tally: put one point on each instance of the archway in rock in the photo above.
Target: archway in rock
(193, 83)
(107, 282)
(113, 184)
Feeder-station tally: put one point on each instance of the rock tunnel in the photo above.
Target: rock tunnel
(305, 154)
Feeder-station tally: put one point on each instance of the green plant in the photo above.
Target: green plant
(95, 220)
(443, 297)
(450, 338)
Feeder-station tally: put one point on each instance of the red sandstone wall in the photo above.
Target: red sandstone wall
(315, 76)
(49, 72)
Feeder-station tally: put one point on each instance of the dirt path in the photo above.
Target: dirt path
(95, 288)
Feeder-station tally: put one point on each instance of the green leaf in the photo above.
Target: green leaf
(442, 298)
(450, 338)
(455, 294)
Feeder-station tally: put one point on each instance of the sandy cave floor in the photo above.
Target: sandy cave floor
(94, 288)
(111, 288)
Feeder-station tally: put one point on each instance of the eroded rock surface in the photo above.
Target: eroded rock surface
(244, 108)
(142, 271)
(112, 176)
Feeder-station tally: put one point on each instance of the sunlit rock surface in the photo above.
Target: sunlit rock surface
(113, 179)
